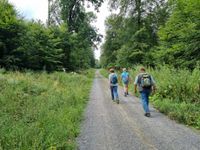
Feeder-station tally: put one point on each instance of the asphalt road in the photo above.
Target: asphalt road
(111, 126)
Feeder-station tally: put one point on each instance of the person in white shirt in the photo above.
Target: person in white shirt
(113, 81)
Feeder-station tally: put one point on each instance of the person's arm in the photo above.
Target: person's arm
(153, 84)
(129, 79)
(135, 84)
(154, 88)
(120, 78)
(135, 88)
(109, 79)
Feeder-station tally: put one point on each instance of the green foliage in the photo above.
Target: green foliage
(104, 72)
(152, 33)
(41, 111)
(11, 30)
(39, 48)
(186, 113)
(179, 85)
(33, 45)
(73, 12)
(179, 37)
(132, 34)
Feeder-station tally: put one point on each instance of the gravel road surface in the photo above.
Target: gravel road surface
(111, 126)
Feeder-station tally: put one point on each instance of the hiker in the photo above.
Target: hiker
(113, 80)
(125, 81)
(145, 84)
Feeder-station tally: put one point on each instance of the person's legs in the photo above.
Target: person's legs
(145, 100)
(124, 86)
(127, 89)
(124, 89)
(112, 92)
(116, 97)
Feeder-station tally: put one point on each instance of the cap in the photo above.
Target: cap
(124, 69)
(111, 70)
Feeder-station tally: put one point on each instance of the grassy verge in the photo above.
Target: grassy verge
(178, 94)
(104, 72)
(42, 111)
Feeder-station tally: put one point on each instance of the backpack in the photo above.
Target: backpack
(145, 80)
(113, 79)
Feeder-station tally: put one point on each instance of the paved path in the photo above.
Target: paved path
(111, 126)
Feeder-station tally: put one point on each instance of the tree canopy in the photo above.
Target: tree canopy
(151, 32)
(37, 46)
(148, 32)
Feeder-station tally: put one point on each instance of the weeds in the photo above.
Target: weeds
(42, 111)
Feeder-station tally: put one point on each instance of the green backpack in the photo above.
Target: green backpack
(145, 80)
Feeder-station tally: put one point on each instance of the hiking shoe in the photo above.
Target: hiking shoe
(117, 101)
(147, 114)
(125, 94)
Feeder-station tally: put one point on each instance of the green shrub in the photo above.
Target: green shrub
(177, 94)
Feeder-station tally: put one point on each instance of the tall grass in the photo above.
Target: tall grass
(42, 111)
(178, 94)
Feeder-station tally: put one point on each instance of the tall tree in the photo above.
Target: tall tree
(73, 12)
(39, 48)
(138, 32)
(179, 37)
(11, 30)
(54, 12)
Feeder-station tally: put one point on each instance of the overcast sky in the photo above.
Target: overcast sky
(38, 9)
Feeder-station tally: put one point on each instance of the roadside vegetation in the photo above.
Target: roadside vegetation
(40, 110)
(177, 93)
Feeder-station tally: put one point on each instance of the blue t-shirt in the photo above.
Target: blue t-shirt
(125, 77)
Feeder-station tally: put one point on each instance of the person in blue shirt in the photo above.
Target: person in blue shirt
(125, 81)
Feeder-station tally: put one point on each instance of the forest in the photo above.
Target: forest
(148, 32)
(34, 45)
(153, 33)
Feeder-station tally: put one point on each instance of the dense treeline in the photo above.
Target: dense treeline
(34, 45)
(153, 32)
